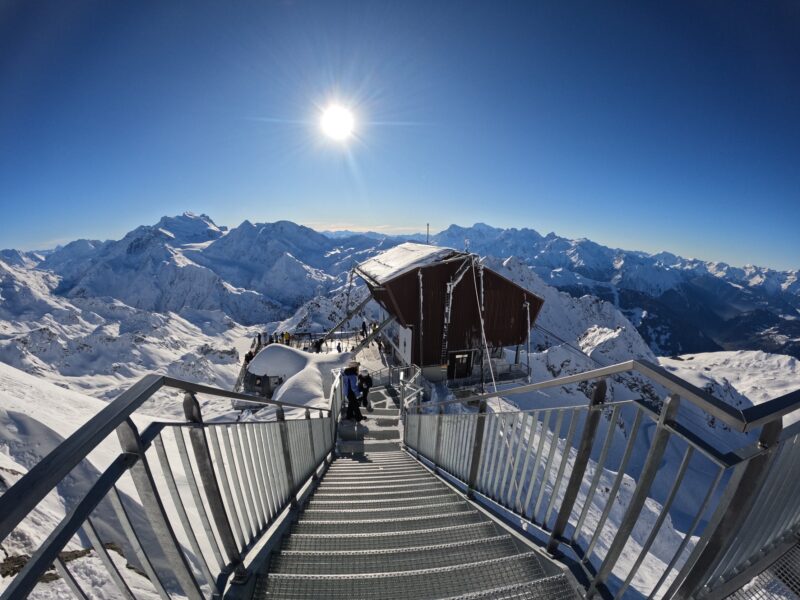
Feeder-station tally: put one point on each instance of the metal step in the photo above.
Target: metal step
(372, 434)
(342, 513)
(412, 585)
(388, 525)
(398, 504)
(358, 446)
(356, 487)
(358, 493)
(555, 587)
(378, 481)
(393, 560)
(355, 540)
(384, 412)
(370, 471)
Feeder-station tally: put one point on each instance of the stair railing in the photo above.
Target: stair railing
(184, 503)
(571, 476)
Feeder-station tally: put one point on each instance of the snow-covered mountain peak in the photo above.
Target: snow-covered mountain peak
(189, 228)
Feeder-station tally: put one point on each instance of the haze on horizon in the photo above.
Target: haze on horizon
(644, 126)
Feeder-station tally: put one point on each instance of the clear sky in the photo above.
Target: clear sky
(643, 125)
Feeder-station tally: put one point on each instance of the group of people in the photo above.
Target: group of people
(356, 386)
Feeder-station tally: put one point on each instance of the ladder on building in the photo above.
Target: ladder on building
(448, 304)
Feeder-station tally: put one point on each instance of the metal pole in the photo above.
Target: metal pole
(421, 347)
(311, 442)
(438, 446)
(579, 468)
(287, 454)
(477, 447)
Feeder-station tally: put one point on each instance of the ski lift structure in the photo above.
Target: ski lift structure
(449, 314)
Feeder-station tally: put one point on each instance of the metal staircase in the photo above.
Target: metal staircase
(380, 525)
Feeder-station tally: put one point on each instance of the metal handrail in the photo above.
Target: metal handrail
(753, 509)
(742, 420)
(22, 497)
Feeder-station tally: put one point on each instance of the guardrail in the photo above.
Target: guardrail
(576, 479)
(185, 502)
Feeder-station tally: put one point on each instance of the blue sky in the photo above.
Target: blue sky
(643, 125)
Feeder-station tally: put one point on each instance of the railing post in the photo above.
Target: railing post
(205, 467)
(419, 428)
(477, 448)
(142, 477)
(311, 442)
(287, 454)
(438, 446)
(732, 510)
(579, 468)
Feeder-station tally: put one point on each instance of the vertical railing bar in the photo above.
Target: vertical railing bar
(652, 463)
(488, 451)
(69, 579)
(598, 471)
(261, 477)
(253, 472)
(687, 456)
(488, 423)
(286, 455)
(476, 453)
(689, 532)
(246, 471)
(551, 453)
(506, 497)
(222, 477)
(236, 483)
(573, 426)
(177, 501)
(623, 464)
(467, 431)
(272, 477)
(154, 510)
(94, 539)
(533, 427)
(497, 441)
(499, 458)
(505, 453)
(198, 501)
(511, 447)
(537, 462)
(135, 542)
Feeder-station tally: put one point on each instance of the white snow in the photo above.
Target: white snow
(402, 259)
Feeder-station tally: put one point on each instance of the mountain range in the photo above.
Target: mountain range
(262, 272)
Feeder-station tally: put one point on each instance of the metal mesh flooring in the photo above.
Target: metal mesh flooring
(393, 561)
(380, 526)
(781, 581)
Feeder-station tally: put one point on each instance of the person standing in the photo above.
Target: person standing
(364, 384)
(364, 328)
(350, 389)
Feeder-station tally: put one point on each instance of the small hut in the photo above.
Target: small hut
(444, 302)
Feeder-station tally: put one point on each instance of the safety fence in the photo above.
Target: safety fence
(179, 511)
(629, 495)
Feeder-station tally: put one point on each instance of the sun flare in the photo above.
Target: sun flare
(337, 122)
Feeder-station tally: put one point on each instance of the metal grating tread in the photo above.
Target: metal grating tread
(357, 540)
(370, 434)
(780, 581)
(398, 504)
(420, 584)
(556, 587)
(378, 480)
(388, 525)
(347, 487)
(361, 512)
(393, 561)
(356, 493)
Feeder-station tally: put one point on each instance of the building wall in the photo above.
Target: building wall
(505, 315)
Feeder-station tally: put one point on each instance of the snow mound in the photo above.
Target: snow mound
(307, 378)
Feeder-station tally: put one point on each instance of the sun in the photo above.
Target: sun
(337, 122)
